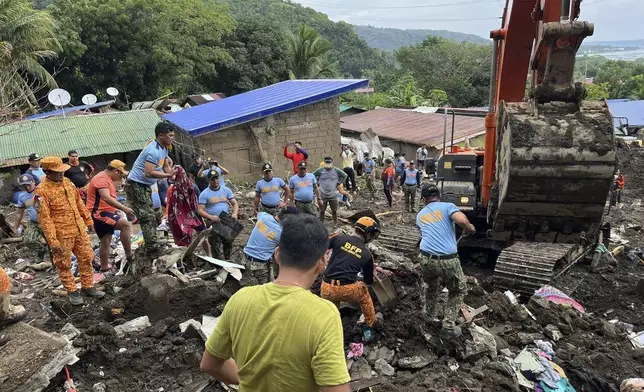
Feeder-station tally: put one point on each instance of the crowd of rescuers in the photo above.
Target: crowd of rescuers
(288, 248)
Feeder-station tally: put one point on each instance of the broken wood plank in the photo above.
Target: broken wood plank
(10, 240)
(381, 214)
(204, 274)
(182, 278)
(221, 263)
(467, 317)
(194, 244)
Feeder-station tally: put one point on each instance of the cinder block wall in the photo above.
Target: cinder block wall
(316, 126)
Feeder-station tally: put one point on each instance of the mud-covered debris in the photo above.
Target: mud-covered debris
(384, 368)
(415, 362)
(553, 332)
(360, 370)
(99, 387)
(158, 285)
(136, 325)
(69, 331)
(381, 353)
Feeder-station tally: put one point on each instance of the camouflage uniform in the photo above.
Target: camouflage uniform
(368, 178)
(217, 242)
(273, 211)
(410, 197)
(437, 273)
(64, 220)
(34, 238)
(140, 198)
(307, 208)
(261, 271)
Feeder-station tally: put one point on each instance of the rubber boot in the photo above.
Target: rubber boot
(10, 314)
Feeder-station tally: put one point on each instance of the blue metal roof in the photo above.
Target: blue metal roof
(256, 104)
(632, 110)
(59, 112)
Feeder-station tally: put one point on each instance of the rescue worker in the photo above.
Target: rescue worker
(388, 180)
(298, 156)
(258, 252)
(65, 220)
(410, 181)
(304, 186)
(400, 165)
(103, 206)
(369, 165)
(421, 156)
(213, 202)
(267, 192)
(34, 168)
(213, 165)
(438, 257)
(350, 257)
(618, 188)
(32, 234)
(329, 177)
(151, 165)
(9, 314)
(348, 154)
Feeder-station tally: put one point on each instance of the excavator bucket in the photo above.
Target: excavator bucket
(554, 168)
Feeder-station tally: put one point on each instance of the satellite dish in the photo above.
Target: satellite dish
(112, 92)
(89, 99)
(59, 97)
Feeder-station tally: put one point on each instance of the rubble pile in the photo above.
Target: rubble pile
(148, 333)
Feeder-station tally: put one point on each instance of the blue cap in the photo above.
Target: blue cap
(26, 179)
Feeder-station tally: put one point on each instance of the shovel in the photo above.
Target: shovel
(385, 292)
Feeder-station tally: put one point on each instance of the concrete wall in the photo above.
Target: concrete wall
(316, 126)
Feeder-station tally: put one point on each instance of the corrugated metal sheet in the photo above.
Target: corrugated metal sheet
(632, 110)
(59, 112)
(413, 127)
(256, 104)
(98, 134)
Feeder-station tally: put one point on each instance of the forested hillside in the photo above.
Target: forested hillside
(389, 39)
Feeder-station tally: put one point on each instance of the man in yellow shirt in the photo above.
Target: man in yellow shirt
(300, 347)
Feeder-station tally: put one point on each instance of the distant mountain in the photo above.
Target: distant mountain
(633, 42)
(389, 39)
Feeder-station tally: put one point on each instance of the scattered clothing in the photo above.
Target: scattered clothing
(557, 296)
(314, 355)
(356, 350)
(182, 209)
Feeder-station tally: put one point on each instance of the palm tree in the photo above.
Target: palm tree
(26, 38)
(308, 54)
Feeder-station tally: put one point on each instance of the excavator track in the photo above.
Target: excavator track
(525, 267)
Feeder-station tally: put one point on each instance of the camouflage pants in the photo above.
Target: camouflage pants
(217, 242)
(273, 211)
(34, 238)
(437, 273)
(261, 271)
(368, 178)
(306, 208)
(410, 197)
(139, 196)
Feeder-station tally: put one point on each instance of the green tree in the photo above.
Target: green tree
(597, 91)
(367, 101)
(634, 87)
(461, 70)
(406, 92)
(26, 38)
(308, 54)
(259, 57)
(145, 48)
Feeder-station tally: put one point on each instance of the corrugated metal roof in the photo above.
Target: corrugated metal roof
(413, 127)
(632, 110)
(97, 134)
(59, 112)
(256, 104)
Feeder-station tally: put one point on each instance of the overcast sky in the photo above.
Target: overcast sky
(614, 19)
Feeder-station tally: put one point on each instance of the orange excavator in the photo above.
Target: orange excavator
(541, 183)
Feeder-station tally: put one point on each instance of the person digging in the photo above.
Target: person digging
(349, 257)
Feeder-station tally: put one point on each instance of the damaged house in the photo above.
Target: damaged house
(245, 130)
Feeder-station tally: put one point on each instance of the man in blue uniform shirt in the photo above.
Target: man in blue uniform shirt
(304, 186)
(410, 181)
(262, 242)
(439, 258)
(213, 202)
(267, 192)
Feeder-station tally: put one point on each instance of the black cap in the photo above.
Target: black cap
(430, 190)
(302, 165)
(34, 157)
(328, 159)
(267, 167)
(213, 174)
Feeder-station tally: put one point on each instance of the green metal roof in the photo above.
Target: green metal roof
(90, 135)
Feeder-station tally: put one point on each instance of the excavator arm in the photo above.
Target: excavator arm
(549, 159)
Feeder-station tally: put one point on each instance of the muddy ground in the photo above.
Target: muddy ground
(592, 351)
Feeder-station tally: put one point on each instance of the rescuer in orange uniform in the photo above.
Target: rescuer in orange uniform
(64, 220)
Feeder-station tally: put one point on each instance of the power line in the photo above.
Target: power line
(403, 20)
(468, 2)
